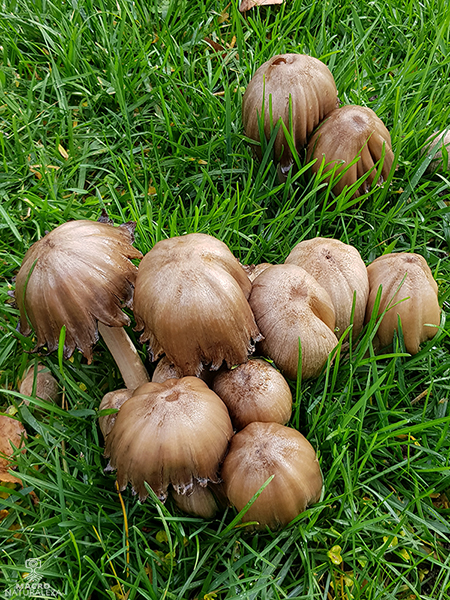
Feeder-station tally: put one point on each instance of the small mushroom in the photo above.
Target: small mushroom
(254, 270)
(409, 292)
(78, 276)
(254, 391)
(203, 502)
(288, 84)
(441, 139)
(260, 451)
(39, 379)
(12, 435)
(340, 270)
(112, 400)
(172, 433)
(348, 133)
(191, 300)
(289, 304)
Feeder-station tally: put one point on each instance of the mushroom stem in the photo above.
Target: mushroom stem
(125, 354)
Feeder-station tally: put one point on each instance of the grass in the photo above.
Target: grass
(135, 107)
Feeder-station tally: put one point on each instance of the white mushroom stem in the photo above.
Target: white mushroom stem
(125, 354)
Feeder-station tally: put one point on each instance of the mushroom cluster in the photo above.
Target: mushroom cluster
(205, 314)
(299, 90)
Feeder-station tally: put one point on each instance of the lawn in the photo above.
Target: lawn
(135, 108)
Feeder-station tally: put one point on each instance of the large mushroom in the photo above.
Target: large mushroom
(408, 292)
(174, 434)
(289, 304)
(260, 451)
(288, 84)
(79, 275)
(340, 270)
(191, 300)
(352, 134)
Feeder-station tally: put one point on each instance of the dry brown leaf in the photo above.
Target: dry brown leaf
(248, 4)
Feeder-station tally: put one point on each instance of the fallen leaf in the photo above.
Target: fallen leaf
(248, 4)
(63, 152)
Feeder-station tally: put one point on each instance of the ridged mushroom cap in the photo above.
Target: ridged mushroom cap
(346, 133)
(288, 304)
(404, 276)
(78, 274)
(112, 400)
(191, 300)
(254, 391)
(172, 433)
(260, 451)
(304, 79)
(340, 270)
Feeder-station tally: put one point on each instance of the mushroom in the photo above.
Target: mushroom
(254, 391)
(172, 433)
(203, 502)
(288, 80)
(78, 276)
(260, 451)
(349, 133)
(340, 270)
(254, 270)
(112, 400)
(289, 304)
(40, 381)
(440, 138)
(408, 291)
(166, 370)
(12, 435)
(191, 300)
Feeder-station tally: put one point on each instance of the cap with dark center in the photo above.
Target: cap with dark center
(260, 451)
(285, 85)
(347, 133)
(172, 433)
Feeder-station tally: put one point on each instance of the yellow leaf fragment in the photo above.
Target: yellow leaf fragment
(335, 555)
(63, 152)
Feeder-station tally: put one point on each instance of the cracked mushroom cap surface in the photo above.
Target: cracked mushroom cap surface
(173, 433)
(340, 270)
(346, 133)
(260, 451)
(289, 304)
(76, 275)
(191, 301)
(304, 79)
(405, 279)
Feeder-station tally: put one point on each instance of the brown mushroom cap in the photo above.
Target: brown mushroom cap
(40, 378)
(288, 304)
(113, 399)
(340, 270)
(311, 86)
(346, 133)
(404, 276)
(440, 139)
(172, 433)
(260, 451)
(191, 300)
(254, 391)
(203, 502)
(76, 275)
(12, 435)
